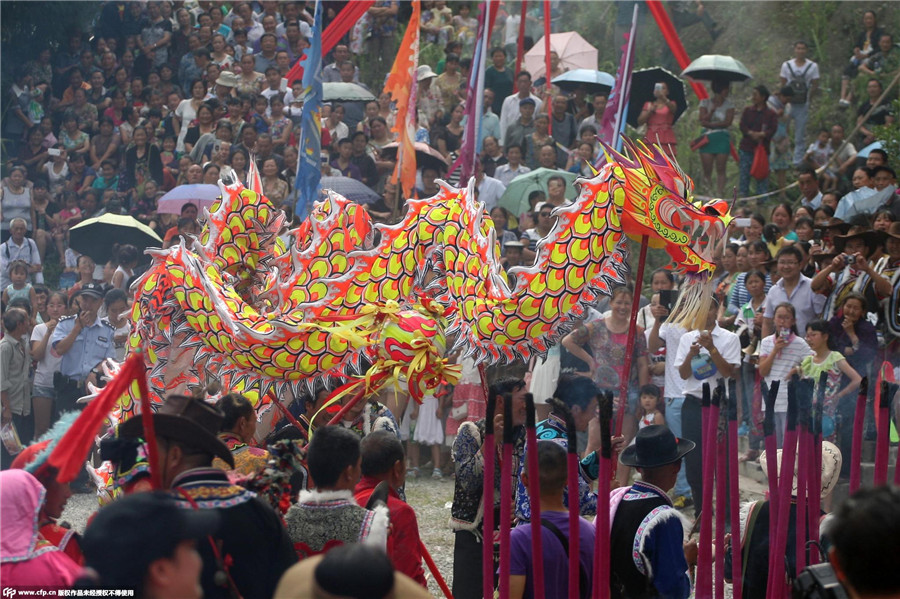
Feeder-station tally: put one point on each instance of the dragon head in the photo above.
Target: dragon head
(656, 199)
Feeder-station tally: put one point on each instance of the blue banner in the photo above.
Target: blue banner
(309, 165)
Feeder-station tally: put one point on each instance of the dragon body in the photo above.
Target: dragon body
(260, 308)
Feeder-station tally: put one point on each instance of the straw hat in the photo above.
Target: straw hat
(831, 467)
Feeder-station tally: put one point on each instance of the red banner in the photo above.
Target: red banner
(343, 22)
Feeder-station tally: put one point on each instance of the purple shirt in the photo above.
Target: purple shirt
(556, 564)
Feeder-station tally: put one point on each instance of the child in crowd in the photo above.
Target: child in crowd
(652, 407)
(429, 432)
(818, 154)
(780, 353)
(823, 359)
(167, 156)
(20, 287)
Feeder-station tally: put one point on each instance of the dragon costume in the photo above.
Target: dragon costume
(260, 308)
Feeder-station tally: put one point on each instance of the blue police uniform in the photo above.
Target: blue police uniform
(93, 345)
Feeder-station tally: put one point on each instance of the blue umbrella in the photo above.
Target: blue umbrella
(595, 81)
(201, 195)
(864, 153)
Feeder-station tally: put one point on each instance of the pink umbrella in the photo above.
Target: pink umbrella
(573, 50)
(201, 195)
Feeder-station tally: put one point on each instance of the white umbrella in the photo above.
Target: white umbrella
(717, 66)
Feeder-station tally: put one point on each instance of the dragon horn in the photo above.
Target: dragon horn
(254, 181)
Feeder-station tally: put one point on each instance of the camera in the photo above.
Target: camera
(849, 259)
(54, 152)
(658, 87)
(818, 582)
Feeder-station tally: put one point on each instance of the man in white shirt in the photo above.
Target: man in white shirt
(712, 354)
(513, 168)
(663, 334)
(803, 77)
(509, 114)
(793, 288)
(489, 189)
(332, 72)
(19, 247)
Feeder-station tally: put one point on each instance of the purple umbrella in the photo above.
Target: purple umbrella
(201, 195)
(352, 189)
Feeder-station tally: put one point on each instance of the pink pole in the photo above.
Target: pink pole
(776, 580)
(772, 466)
(574, 509)
(804, 450)
(704, 558)
(489, 452)
(882, 442)
(601, 537)
(856, 449)
(547, 58)
(721, 488)
(734, 493)
(534, 493)
(814, 488)
(506, 496)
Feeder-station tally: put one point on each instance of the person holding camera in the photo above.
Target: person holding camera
(850, 271)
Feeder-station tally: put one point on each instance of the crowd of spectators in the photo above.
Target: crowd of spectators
(167, 93)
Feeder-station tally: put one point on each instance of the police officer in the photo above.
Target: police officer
(83, 341)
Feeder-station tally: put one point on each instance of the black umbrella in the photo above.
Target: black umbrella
(642, 84)
(425, 156)
(353, 190)
(96, 236)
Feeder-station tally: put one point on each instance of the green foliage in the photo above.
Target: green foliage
(890, 134)
(816, 21)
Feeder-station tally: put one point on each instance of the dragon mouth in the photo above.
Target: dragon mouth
(704, 227)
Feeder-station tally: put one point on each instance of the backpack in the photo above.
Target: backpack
(798, 84)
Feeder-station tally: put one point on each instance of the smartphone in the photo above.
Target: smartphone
(54, 152)
(667, 298)
(742, 222)
(817, 235)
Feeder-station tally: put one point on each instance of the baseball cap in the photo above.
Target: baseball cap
(525, 101)
(131, 533)
(91, 289)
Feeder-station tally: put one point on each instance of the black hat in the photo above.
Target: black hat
(185, 419)
(92, 289)
(655, 446)
(872, 239)
(132, 532)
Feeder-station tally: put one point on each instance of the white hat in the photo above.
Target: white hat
(424, 72)
(228, 79)
(831, 467)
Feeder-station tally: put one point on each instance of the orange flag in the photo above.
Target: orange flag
(402, 85)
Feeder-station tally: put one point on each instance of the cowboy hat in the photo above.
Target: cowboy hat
(893, 231)
(831, 467)
(872, 239)
(185, 419)
(305, 580)
(834, 223)
(655, 446)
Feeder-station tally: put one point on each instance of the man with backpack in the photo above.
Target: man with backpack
(802, 76)
(554, 534)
